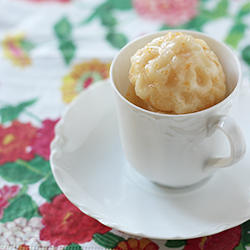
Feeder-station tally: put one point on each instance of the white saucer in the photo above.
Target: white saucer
(89, 166)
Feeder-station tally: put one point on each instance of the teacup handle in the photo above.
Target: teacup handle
(236, 140)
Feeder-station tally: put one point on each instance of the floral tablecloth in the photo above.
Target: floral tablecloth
(50, 51)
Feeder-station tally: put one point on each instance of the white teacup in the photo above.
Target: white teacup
(179, 150)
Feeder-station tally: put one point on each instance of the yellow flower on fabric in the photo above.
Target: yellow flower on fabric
(81, 76)
(16, 48)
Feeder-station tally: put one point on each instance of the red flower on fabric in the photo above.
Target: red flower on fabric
(134, 244)
(44, 136)
(226, 240)
(170, 12)
(15, 142)
(7, 193)
(64, 223)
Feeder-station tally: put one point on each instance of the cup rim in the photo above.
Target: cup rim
(190, 32)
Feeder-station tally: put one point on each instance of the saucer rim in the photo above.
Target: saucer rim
(99, 217)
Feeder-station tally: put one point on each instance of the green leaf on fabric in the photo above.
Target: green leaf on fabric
(121, 4)
(21, 192)
(221, 9)
(25, 172)
(99, 12)
(246, 54)
(245, 233)
(49, 188)
(10, 113)
(198, 22)
(68, 50)
(175, 243)
(240, 247)
(236, 34)
(166, 27)
(22, 206)
(26, 45)
(73, 246)
(245, 10)
(118, 40)
(63, 29)
(106, 8)
(108, 19)
(107, 240)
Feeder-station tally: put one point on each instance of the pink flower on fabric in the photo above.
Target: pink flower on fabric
(170, 12)
(44, 136)
(7, 193)
(16, 48)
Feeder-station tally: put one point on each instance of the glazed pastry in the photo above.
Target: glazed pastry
(177, 74)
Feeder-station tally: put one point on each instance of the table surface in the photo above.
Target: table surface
(50, 51)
